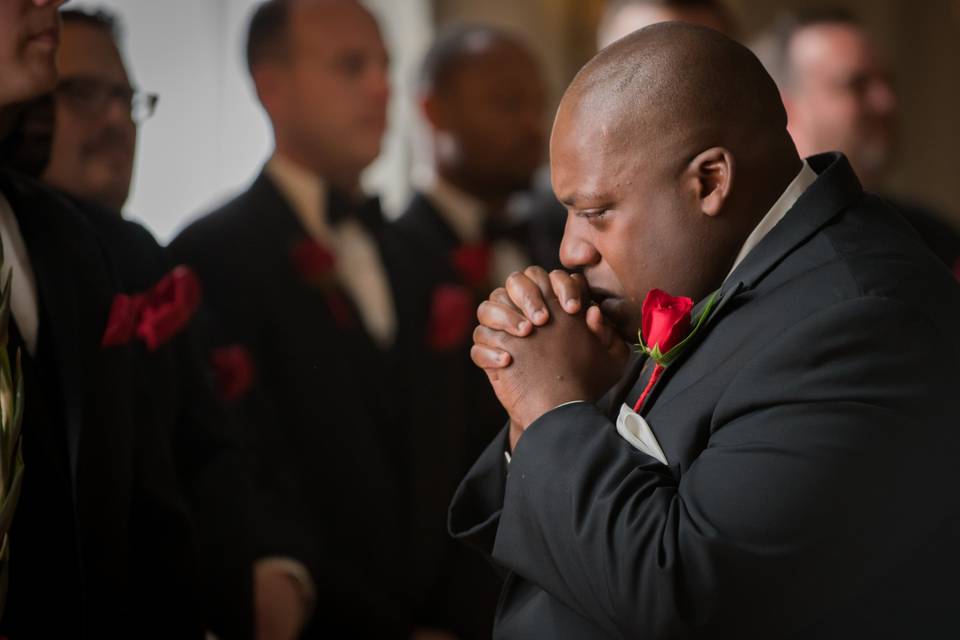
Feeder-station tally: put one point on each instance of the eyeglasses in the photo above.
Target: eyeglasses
(91, 97)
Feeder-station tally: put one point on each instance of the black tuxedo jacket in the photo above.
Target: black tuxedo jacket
(101, 544)
(811, 435)
(212, 463)
(455, 414)
(325, 411)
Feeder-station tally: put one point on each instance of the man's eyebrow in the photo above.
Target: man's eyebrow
(584, 196)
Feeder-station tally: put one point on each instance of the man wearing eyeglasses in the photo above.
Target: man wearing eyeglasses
(84, 146)
(100, 544)
(97, 112)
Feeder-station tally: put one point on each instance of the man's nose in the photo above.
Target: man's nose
(881, 97)
(378, 82)
(576, 251)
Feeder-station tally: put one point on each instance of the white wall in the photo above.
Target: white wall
(209, 137)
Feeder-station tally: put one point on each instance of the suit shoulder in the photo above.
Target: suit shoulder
(219, 233)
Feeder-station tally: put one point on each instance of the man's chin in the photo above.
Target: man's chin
(617, 314)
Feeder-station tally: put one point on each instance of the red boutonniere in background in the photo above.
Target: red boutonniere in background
(451, 317)
(665, 331)
(157, 315)
(233, 371)
(317, 266)
(472, 263)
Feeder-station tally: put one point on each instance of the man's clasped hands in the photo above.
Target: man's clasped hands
(543, 344)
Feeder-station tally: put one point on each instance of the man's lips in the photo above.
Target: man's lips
(49, 37)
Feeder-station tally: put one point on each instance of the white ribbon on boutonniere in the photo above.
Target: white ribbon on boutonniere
(634, 429)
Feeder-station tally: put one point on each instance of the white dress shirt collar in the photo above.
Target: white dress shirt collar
(306, 192)
(23, 287)
(358, 264)
(784, 203)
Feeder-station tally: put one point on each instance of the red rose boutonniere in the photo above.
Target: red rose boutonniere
(665, 330)
(317, 265)
(451, 317)
(472, 263)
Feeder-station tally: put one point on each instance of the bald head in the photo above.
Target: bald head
(483, 95)
(682, 88)
(668, 148)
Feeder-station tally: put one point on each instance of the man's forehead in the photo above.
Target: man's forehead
(89, 50)
(833, 46)
(334, 26)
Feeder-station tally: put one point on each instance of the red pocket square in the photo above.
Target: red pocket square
(124, 317)
(172, 303)
(156, 315)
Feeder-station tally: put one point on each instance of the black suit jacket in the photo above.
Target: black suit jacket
(213, 466)
(325, 410)
(455, 414)
(811, 438)
(101, 544)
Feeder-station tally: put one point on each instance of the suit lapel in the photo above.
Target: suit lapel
(835, 189)
(58, 302)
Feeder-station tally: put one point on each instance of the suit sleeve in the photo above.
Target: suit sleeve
(807, 489)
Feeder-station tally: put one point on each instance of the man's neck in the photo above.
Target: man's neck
(345, 180)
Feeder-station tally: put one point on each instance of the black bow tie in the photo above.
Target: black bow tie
(341, 207)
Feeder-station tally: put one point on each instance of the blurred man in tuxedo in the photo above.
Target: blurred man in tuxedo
(839, 94)
(101, 544)
(83, 143)
(298, 275)
(621, 17)
(483, 97)
(761, 480)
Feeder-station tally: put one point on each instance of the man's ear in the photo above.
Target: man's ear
(711, 175)
(432, 109)
(269, 87)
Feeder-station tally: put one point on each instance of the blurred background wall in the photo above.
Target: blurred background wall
(209, 138)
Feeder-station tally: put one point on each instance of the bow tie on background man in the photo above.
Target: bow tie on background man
(365, 210)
